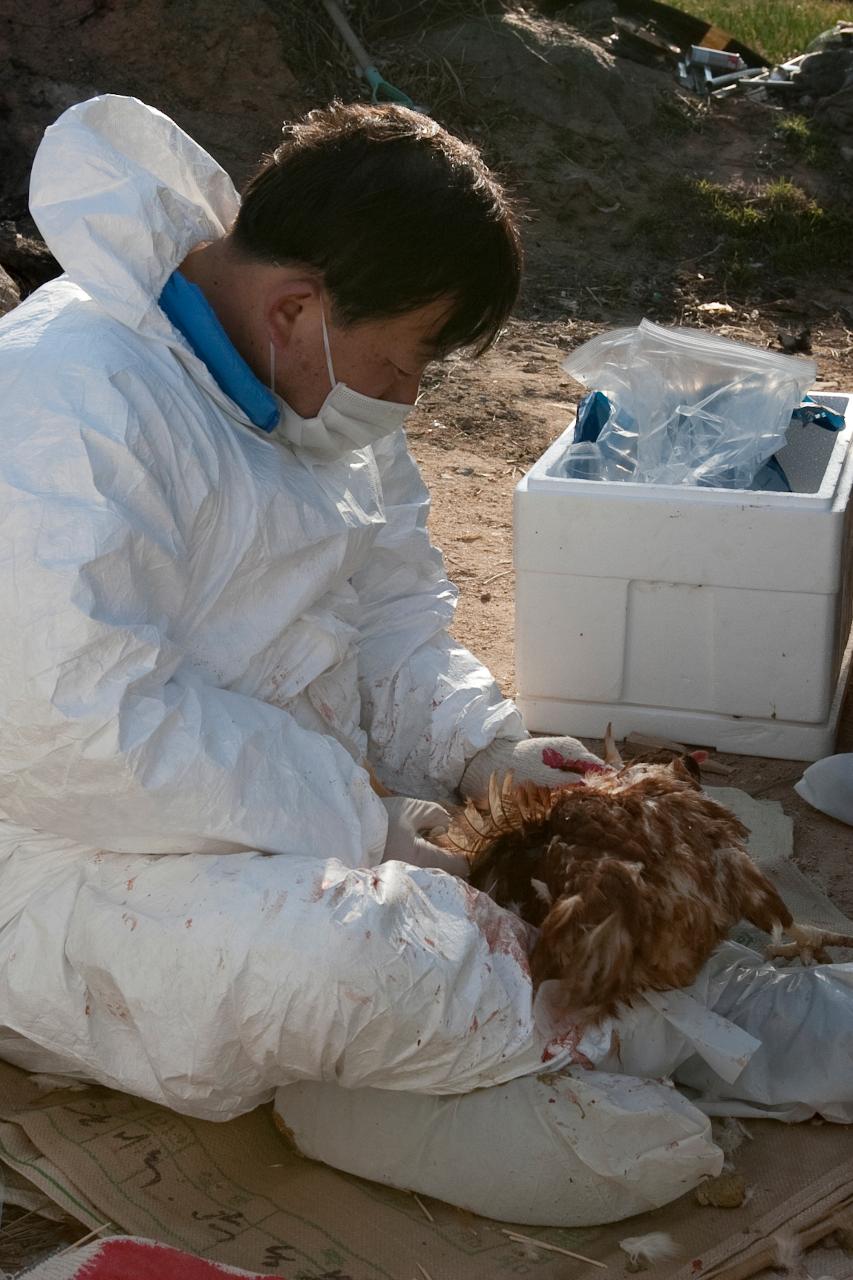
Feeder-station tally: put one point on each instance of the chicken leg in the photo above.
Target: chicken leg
(809, 943)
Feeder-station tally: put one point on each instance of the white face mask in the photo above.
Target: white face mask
(347, 419)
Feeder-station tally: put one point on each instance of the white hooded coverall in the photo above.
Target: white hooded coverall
(188, 606)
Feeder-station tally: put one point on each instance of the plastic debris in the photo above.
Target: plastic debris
(812, 413)
(718, 59)
(659, 34)
(641, 43)
(827, 785)
(698, 73)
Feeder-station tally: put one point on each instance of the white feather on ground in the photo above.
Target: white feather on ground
(50, 1084)
(657, 1246)
(730, 1135)
(789, 1255)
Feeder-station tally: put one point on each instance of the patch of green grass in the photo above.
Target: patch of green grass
(747, 238)
(779, 29)
(807, 141)
(795, 130)
(776, 227)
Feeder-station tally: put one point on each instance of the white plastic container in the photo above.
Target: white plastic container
(714, 616)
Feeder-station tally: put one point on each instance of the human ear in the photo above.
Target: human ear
(285, 307)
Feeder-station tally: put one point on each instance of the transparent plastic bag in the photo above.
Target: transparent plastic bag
(828, 785)
(686, 408)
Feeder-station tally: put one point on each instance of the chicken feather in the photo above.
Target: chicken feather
(632, 877)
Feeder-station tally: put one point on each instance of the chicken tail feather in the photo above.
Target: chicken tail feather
(591, 954)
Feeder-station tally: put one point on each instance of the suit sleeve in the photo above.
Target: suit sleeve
(428, 704)
(109, 734)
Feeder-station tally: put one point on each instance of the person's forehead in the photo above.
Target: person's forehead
(419, 328)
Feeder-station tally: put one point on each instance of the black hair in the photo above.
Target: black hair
(392, 212)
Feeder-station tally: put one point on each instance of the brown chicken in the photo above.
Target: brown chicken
(633, 877)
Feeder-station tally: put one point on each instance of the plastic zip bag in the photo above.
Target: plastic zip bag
(594, 412)
(686, 408)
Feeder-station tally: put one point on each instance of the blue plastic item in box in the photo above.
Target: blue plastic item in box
(595, 410)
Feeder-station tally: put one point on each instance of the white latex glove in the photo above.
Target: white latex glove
(525, 760)
(407, 822)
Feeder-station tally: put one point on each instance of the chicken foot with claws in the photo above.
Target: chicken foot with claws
(809, 943)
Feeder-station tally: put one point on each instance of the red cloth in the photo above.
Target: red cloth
(125, 1258)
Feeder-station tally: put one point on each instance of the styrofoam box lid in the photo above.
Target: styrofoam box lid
(813, 460)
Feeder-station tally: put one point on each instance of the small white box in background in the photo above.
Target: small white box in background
(719, 59)
(714, 616)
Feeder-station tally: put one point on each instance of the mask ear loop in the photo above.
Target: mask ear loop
(331, 368)
(272, 367)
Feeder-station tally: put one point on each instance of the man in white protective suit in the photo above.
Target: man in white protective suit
(221, 604)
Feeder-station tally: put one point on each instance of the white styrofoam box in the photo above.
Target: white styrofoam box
(714, 616)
